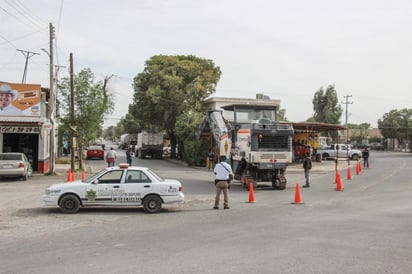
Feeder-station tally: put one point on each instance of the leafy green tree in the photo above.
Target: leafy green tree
(131, 124)
(326, 107)
(192, 150)
(110, 133)
(359, 132)
(92, 102)
(170, 86)
(281, 115)
(396, 124)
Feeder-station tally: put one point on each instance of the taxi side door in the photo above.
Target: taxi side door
(108, 190)
(135, 187)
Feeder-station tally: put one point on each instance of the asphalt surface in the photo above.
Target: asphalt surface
(61, 170)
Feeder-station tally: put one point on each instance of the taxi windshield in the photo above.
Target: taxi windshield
(94, 176)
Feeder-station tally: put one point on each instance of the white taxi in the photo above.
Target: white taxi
(116, 186)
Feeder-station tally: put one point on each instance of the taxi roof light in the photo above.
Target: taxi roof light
(123, 165)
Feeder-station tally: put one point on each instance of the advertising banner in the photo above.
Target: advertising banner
(20, 99)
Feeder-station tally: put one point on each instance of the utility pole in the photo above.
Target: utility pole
(52, 102)
(72, 127)
(346, 103)
(346, 122)
(27, 55)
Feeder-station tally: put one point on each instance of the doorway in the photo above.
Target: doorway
(25, 143)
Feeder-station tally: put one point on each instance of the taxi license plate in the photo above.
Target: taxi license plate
(7, 166)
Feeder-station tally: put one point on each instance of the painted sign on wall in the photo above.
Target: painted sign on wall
(20, 99)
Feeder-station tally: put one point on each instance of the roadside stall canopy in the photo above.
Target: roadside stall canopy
(311, 128)
(316, 127)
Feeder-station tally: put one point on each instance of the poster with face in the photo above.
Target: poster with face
(20, 99)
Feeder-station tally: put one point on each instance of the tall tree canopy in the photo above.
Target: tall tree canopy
(91, 103)
(171, 86)
(396, 124)
(326, 107)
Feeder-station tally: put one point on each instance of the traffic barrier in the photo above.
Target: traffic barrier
(349, 176)
(83, 176)
(339, 186)
(298, 199)
(251, 191)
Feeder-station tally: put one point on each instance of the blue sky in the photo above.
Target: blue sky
(284, 49)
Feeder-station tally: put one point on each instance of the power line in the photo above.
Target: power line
(28, 16)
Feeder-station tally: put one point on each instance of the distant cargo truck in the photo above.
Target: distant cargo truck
(149, 145)
(127, 141)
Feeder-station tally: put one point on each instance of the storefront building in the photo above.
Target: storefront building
(23, 123)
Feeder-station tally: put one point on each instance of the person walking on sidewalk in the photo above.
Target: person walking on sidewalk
(307, 166)
(222, 171)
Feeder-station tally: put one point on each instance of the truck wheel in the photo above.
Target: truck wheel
(325, 156)
(355, 157)
(279, 182)
(69, 204)
(152, 204)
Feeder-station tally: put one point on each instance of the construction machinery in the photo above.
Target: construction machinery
(258, 146)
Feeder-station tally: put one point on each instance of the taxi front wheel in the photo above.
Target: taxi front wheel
(69, 204)
(152, 204)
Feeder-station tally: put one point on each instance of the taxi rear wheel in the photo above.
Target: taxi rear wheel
(69, 204)
(152, 204)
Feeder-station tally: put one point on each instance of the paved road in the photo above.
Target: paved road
(363, 229)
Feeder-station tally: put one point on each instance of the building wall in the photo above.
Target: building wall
(216, 103)
(29, 118)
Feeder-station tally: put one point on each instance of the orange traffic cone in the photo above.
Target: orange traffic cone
(337, 176)
(72, 178)
(83, 176)
(69, 171)
(357, 168)
(349, 177)
(298, 200)
(339, 186)
(251, 192)
(360, 167)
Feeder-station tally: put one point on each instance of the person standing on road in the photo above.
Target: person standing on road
(307, 166)
(111, 156)
(222, 171)
(211, 163)
(365, 156)
(129, 155)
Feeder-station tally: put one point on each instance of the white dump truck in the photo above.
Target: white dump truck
(149, 145)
